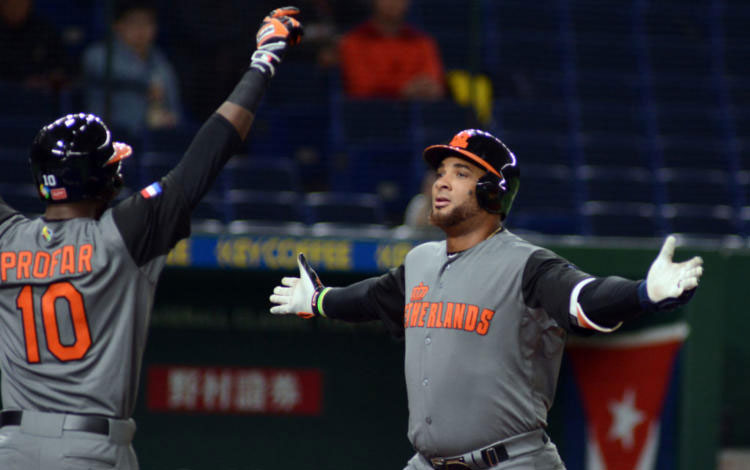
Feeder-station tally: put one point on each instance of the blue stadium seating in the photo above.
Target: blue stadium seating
(275, 206)
(262, 174)
(344, 208)
(622, 219)
(628, 119)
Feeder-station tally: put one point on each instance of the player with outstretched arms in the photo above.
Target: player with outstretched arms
(485, 315)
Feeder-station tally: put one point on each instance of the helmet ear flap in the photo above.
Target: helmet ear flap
(490, 191)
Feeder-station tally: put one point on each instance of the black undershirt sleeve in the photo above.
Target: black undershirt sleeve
(151, 226)
(548, 281)
(377, 298)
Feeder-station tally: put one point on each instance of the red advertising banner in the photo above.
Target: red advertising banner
(623, 380)
(230, 390)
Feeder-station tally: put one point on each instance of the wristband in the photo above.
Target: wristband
(250, 89)
(317, 301)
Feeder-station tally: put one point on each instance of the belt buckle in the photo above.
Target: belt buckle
(449, 464)
(456, 464)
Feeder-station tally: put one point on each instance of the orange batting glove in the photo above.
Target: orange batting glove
(278, 31)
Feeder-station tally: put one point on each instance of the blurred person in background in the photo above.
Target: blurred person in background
(385, 57)
(144, 86)
(31, 49)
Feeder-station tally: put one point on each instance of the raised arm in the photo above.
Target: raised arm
(152, 221)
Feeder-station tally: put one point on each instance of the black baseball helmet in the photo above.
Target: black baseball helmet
(74, 158)
(497, 188)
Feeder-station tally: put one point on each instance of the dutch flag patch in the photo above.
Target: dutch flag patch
(152, 190)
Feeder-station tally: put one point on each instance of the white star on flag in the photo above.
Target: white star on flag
(625, 417)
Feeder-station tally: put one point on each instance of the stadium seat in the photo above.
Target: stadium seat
(609, 183)
(694, 153)
(344, 208)
(546, 186)
(269, 206)
(622, 219)
(686, 186)
(532, 150)
(262, 174)
(685, 120)
(546, 201)
(615, 149)
(701, 219)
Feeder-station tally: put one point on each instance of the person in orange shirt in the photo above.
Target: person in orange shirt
(387, 58)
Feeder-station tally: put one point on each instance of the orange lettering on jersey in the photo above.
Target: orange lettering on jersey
(41, 264)
(68, 264)
(484, 321)
(422, 312)
(433, 313)
(448, 321)
(84, 258)
(415, 314)
(55, 261)
(458, 316)
(24, 265)
(7, 261)
(407, 313)
(471, 318)
(438, 320)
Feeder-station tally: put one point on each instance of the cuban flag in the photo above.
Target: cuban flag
(152, 190)
(626, 398)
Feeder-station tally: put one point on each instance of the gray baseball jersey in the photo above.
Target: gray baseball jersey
(484, 331)
(74, 313)
(471, 341)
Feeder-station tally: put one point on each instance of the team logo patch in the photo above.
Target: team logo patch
(419, 292)
(46, 233)
(44, 191)
(58, 194)
(152, 190)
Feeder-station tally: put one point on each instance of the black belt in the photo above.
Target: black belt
(71, 422)
(491, 456)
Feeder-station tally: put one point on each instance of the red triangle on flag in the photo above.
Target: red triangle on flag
(623, 381)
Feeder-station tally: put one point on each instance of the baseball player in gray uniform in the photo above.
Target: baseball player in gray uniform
(485, 315)
(77, 283)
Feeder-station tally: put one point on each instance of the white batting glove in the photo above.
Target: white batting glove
(667, 280)
(299, 295)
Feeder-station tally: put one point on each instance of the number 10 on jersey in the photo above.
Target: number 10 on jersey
(57, 291)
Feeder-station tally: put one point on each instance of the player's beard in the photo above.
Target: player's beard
(447, 219)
